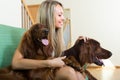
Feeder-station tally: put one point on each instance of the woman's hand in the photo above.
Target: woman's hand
(83, 37)
(57, 62)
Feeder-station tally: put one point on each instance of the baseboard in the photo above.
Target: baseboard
(102, 67)
(117, 66)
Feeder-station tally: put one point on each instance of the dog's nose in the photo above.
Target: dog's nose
(46, 31)
(110, 54)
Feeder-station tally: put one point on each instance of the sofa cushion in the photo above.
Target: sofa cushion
(9, 39)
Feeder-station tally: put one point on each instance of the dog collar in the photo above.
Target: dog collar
(86, 78)
(85, 67)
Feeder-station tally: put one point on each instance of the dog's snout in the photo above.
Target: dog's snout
(108, 54)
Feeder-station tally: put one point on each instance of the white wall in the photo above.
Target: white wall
(10, 12)
(98, 19)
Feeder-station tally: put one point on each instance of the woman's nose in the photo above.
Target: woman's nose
(63, 18)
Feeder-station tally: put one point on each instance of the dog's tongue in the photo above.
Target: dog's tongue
(45, 42)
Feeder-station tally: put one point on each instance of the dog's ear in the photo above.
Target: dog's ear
(86, 51)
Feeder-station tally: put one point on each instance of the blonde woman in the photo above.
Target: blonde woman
(51, 15)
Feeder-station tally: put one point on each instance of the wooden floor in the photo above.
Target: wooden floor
(105, 73)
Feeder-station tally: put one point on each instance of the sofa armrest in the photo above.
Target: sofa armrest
(9, 39)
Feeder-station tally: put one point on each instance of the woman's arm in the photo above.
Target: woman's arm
(19, 62)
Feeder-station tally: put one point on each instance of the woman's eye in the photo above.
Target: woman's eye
(59, 15)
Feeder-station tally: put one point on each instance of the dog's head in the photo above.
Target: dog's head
(90, 51)
(39, 34)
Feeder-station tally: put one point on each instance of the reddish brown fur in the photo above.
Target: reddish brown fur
(31, 45)
(83, 53)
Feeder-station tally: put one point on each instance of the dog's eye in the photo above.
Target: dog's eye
(98, 49)
(39, 40)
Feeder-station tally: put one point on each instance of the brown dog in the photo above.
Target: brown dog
(34, 45)
(83, 53)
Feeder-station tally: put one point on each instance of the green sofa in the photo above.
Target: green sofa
(9, 39)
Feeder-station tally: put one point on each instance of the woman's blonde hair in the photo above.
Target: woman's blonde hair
(46, 17)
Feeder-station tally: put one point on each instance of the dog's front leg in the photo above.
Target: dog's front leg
(71, 61)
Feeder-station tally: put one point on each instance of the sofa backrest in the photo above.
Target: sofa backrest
(9, 39)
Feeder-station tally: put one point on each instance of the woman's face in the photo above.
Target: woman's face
(59, 17)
